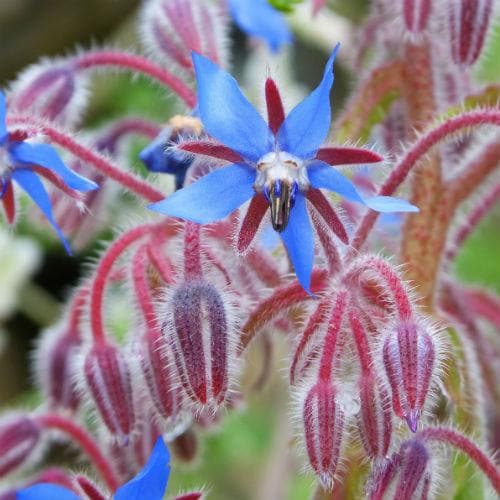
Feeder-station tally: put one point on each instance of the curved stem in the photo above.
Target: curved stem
(76, 309)
(87, 155)
(464, 444)
(141, 287)
(134, 62)
(412, 157)
(86, 441)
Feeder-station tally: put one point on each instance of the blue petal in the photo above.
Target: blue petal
(46, 156)
(151, 482)
(226, 113)
(45, 491)
(34, 188)
(307, 125)
(257, 18)
(322, 175)
(299, 241)
(3, 114)
(212, 197)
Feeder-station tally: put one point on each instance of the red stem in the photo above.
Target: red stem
(192, 261)
(141, 286)
(412, 157)
(102, 275)
(464, 444)
(86, 441)
(76, 309)
(362, 344)
(98, 161)
(139, 64)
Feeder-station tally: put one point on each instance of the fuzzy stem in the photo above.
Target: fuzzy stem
(76, 310)
(141, 286)
(103, 271)
(161, 264)
(192, 258)
(86, 441)
(84, 153)
(362, 344)
(464, 444)
(415, 154)
(331, 338)
(136, 63)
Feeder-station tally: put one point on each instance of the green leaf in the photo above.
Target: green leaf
(285, 5)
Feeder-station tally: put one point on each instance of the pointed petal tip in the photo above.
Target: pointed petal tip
(412, 419)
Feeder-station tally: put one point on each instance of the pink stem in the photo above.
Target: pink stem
(86, 441)
(161, 264)
(141, 286)
(76, 309)
(136, 63)
(98, 161)
(419, 149)
(362, 344)
(104, 270)
(464, 444)
(192, 261)
(125, 126)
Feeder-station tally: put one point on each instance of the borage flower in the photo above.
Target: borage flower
(22, 161)
(278, 165)
(150, 483)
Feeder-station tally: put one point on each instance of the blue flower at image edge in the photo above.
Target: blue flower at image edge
(150, 483)
(17, 159)
(229, 118)
(258, 19)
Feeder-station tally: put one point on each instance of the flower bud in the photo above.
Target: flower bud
(107, 378)
(468, 22)
(406, 473)
(193, 495)
(201, 333)
(19, 436)
(89, 488)
(323, 420)
(375, 417)
(54, 362)
(416, 14)
(185, 446)
(409, 357)
(164, 391)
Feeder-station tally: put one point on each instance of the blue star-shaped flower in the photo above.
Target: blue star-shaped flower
(278, 165)
(23, 162)
(257, 18)
(150, 483)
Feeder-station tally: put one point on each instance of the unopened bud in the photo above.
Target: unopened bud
(416, 14)
(19, 436)
(468, 24)
(375, 417)
(89, 488)
(323, 421)
(193, 495)
(409, 357)
(55, 361)
(185, 446)
(201, 333)
(107, 378)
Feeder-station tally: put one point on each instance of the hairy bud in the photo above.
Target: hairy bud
(108, 381)
(19, 436)
(416, 14)
(54, 362)
(468, 22)
(201, 333)
(375, 417)
(323, 421)
(409, 358)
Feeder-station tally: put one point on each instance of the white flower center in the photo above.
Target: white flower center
(283, 167)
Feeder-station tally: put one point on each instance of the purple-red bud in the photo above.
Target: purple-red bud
(89, 488)
(323, 420)
(19, 436)
(108, 380)
(55, 361)
(201, 335)
(416, 15)
(374, 419)
(409, 357)
(468, 24)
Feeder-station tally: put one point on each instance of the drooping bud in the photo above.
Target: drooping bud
(50, 90)
(323, 420)
(468, 22)
(416, 15)
(374, 420)
(108, 380)
(89, 488)
(54, 367)
(158, 158)
(409, 358)
(407, 473)
(201, 333)
(193, 495)
(19, 437)
(155, 363)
